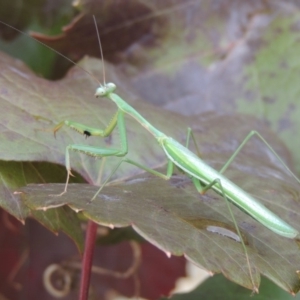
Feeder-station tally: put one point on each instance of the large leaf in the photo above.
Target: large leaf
(178, 217)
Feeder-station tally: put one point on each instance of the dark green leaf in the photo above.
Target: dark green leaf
(180, 213)
(218, 287)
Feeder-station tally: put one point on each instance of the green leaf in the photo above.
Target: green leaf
(14, 175)
(218, 287)
(172, 215)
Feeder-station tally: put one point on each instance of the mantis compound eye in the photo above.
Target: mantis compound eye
(110, 87)
(100, 92)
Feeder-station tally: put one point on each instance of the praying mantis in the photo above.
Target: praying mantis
(203, 176)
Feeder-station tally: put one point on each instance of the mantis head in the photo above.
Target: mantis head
(105, 89)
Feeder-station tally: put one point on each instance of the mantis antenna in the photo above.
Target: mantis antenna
(100, 47)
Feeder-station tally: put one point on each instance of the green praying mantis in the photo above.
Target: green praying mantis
(202, 175)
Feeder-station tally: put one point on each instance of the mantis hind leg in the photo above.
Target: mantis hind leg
(251, 134)
(202, 189)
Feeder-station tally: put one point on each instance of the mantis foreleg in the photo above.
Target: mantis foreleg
(117, 120)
